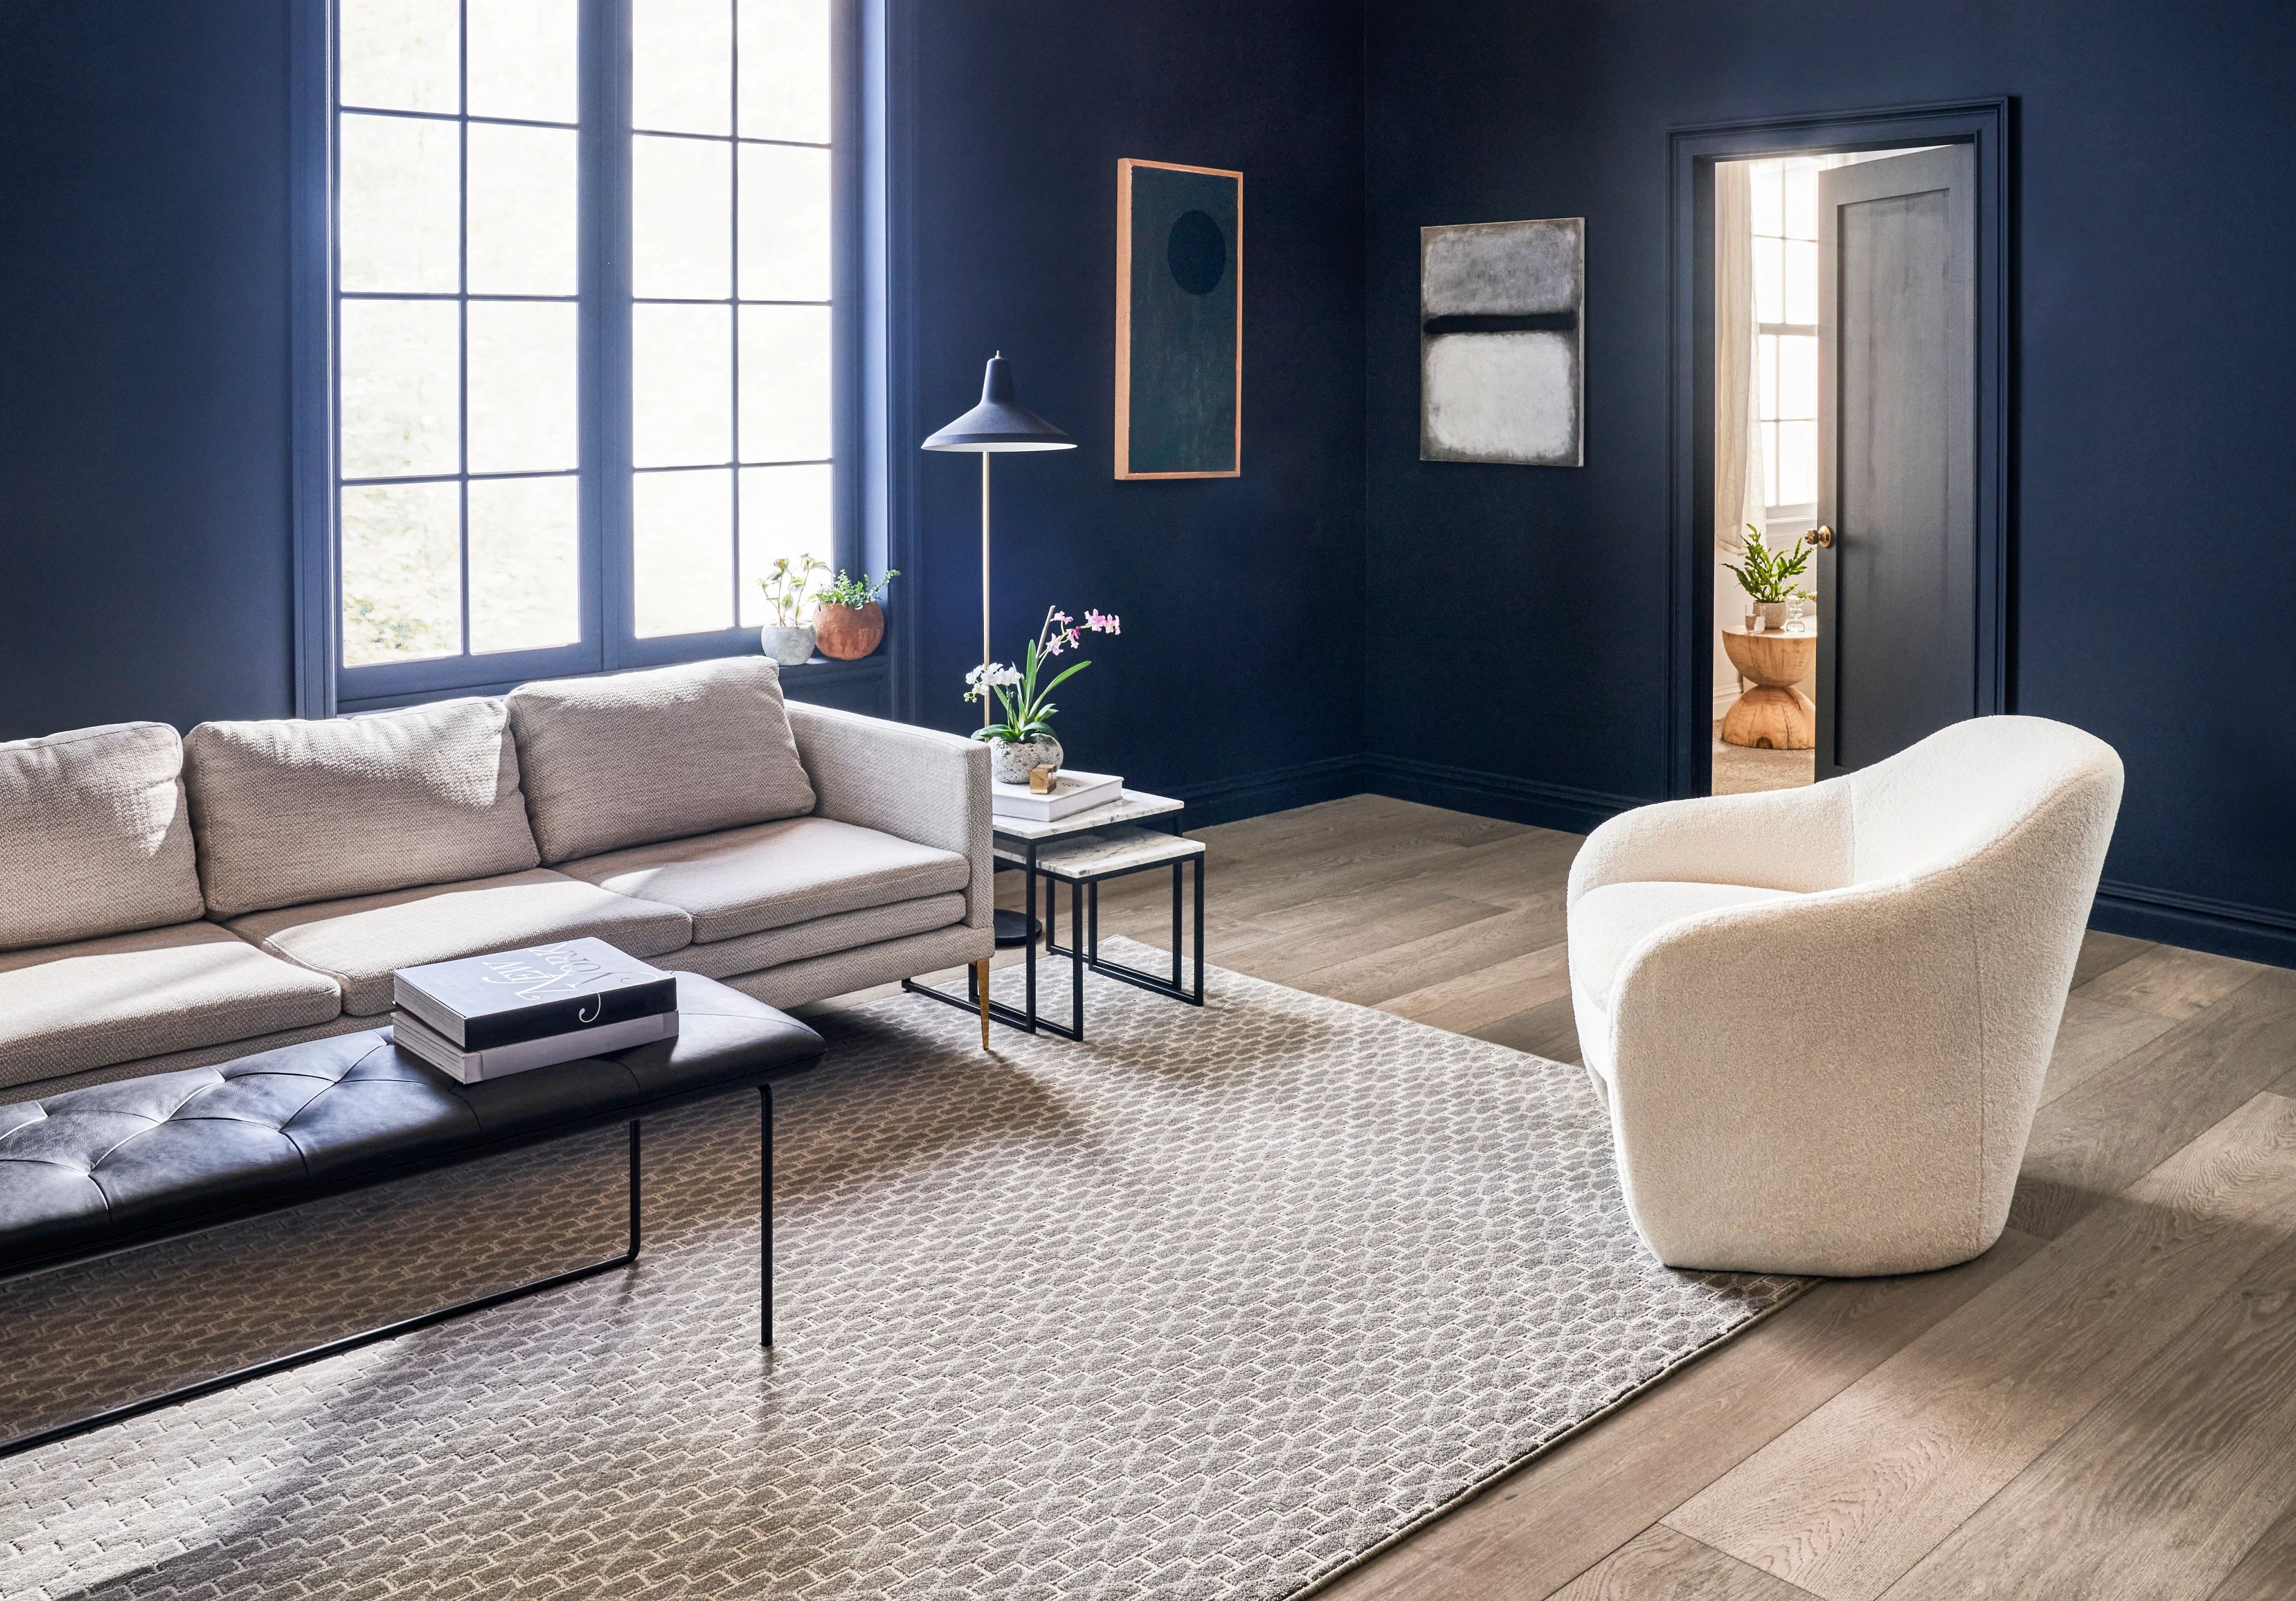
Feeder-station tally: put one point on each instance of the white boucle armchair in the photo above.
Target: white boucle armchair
(1820, 1017)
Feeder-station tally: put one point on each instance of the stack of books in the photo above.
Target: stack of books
(1071, 792)
(485, 1017)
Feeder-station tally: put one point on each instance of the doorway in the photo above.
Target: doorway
(1773, 332)
(1837, 331)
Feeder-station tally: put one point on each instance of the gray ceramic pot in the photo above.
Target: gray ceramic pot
(1011, 762)
(790, 646)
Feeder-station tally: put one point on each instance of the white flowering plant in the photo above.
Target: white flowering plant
(1029, 708)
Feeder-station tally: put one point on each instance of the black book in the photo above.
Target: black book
(482, 1003)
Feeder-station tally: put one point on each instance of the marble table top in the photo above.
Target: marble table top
(1107, 850)
(1128, 806)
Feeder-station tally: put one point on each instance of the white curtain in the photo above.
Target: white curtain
(1739, 492)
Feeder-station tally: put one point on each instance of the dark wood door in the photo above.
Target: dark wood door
(1898, 653)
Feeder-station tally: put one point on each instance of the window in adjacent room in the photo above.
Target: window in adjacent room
(585, 329)
(1785, 194)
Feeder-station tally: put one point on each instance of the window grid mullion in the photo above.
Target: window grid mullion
(734, 284)
(462, 317)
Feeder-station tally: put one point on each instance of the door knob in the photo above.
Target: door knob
(1820, 535)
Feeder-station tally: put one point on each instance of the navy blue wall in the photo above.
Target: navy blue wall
(2155, 361)
(1238, 679)
(143, 553)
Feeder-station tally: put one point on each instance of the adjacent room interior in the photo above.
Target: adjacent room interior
(831, 799)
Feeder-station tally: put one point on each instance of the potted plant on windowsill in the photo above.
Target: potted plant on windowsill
(1767, 577)
(848, 623)
(1024, 742)
(787, 639)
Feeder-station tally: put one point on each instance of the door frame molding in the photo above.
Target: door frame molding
(1692, 152)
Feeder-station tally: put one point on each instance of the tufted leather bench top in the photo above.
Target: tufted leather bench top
(146, 1157)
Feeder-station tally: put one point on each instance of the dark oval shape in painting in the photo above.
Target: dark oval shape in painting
(1197, 252)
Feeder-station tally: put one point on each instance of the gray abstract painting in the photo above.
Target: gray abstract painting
(1502, 342)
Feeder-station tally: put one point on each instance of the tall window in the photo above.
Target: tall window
(586, 350)
(1785, 312)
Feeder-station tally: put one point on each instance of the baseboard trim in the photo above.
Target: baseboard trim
(1276, 788)
(2225, 928)
(1530, 801)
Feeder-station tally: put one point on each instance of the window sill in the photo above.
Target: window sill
(820, 672)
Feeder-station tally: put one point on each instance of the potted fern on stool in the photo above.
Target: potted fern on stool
(1767, 577)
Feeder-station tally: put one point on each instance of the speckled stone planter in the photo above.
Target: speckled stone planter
(792, 646)
(1011, 763)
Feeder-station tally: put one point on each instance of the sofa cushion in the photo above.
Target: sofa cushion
(94, 838)
(776, 873)
(360, 941)
(292, 811)
(657, 755)
(1607, 924)
(67, 1008)
(818, 937)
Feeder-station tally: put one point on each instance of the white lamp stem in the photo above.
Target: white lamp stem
(986, 719)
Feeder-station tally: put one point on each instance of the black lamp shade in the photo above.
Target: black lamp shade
(1000, 422)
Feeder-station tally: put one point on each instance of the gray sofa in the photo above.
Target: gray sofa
(169, 903)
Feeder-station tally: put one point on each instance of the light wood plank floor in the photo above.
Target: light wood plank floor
(2104, 1406)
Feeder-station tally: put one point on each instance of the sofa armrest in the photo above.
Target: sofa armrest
(914, 784)
(1796, 838)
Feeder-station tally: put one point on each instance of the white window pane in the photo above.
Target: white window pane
(401, 378)
(680, 385)
(404, 55)
(681, 219)
(1797, 377)
(1797, 464)
(785, 69)
(784, 223)
(402, 572)
(1801, 283)
(785, 393)
(785, 511)
(522, 386)
(682, 548)
(525, 564)
(681, 65)
(1765, 373)
(1769, 213)
(1769, 281)
(1801, 201)
(523, 58)
(1770, 465)
(400, 205)
(523, 210)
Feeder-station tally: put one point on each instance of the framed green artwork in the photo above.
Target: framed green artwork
(1179, 321)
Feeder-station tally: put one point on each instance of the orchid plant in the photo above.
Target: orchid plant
(1028, 707)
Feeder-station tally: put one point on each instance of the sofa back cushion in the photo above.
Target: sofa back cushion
(658, 755)
(289, 812)
(95, 839)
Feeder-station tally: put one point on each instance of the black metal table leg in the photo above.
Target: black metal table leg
(765, 1216)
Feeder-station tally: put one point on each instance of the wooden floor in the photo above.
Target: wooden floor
(2104, 1406)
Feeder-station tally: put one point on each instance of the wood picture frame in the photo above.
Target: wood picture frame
(1179, 400)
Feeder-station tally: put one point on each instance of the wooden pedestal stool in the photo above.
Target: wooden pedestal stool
(1773, 715)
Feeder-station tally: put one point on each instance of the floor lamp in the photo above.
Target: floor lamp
(1000, 423)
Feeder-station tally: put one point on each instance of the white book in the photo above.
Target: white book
(1072, 793)
(418, 1038)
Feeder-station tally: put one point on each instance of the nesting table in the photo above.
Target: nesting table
(1083, 852)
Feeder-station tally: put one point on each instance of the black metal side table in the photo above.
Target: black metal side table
(1083, 852)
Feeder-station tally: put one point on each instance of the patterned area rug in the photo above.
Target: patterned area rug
(1211, 1306)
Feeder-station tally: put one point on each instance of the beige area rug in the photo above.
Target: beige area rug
(1210, 1306)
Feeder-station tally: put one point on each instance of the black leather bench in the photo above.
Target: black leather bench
(94, 1171)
